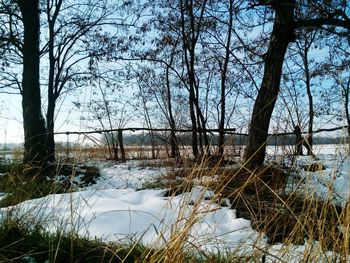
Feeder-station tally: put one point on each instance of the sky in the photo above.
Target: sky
(11, 127)
(69, 117)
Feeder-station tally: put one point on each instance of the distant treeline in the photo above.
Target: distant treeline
(185, 139)
(290, 139)
(233, 139)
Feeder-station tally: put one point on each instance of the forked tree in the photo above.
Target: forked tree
(35, 136)
(69, 26)
(284, 29)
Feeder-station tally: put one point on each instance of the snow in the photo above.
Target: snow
(115, 209)
(127, 175)
(332, 182)
(145, 215)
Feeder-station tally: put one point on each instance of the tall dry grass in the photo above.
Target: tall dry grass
(300, 226)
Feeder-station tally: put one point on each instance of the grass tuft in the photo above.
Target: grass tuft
(19, 241)
(21, 182)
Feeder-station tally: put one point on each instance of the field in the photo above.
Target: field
(294, 209)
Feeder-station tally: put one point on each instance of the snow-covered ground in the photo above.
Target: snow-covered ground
(114, 209)
(332, 182)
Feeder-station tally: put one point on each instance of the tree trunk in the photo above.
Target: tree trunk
(50, 119)
(203, 135)
(282, 34)
(299, 141)
(190, 33)
(35, 142)
(311, 104)
(346, 93)
(115, 148)
(52, 86)
(195, 151)
(121, 145)
(175, 153)
(50, 114)
(223, 83)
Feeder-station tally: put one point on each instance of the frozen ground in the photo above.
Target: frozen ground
(115, 210)
(333, 182)
(330, 182)
(126, 175)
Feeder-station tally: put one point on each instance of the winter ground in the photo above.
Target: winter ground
(118, 209)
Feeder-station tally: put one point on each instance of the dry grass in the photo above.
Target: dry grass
(290, 218)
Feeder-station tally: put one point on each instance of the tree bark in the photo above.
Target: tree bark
(304, 49)
(311, 104)
(346, 93)
(115, 151)
(35, 135)
(223, 82)
(50, 114)
(52, 85)
(50, 119)
(175, 153)
(201, 120)
(299, 141)
(121, 145)
(190, 34)
(282, 34)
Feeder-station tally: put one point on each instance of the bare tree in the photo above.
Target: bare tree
(338, 67)
(155, 85)
(283, 32)
(226, 24)
(35, 135)
(281, 35)
(74, 39)
(304, 47)
(70, 28)
(190, 30)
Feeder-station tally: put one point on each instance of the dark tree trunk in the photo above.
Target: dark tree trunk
(35, 136)
(200, 134)
(50, 117)
(311, 104)
(223, 83)
(203, 135)
(52, 85)
(221, 141)
(50, 114)
(190, 32)
(192, 101)
(153, 144)
(195, 151)
(299, 140)
(175, 153)
(115, 149)
(282, 34)
(346, 93)
(121, 145)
